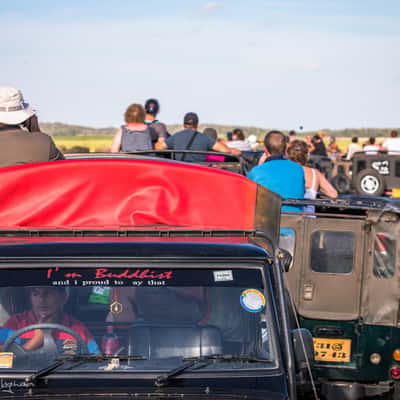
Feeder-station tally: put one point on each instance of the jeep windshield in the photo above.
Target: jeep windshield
(136, 318)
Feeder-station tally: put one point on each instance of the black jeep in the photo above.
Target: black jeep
(376, 174)
(144, 279)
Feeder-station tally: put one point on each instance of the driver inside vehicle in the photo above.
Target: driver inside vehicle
(46, 307)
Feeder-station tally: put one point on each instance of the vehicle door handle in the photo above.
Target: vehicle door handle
(329, 331)
(308, 291)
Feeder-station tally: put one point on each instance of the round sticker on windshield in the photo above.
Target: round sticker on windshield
(252, 300)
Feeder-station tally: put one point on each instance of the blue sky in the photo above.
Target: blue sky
(267, 63)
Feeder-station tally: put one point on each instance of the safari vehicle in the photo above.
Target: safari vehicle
(323, 163)
(337, 172)
(376, 174)
(176, 298)
(344, 279)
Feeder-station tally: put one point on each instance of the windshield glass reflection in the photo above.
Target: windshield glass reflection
(158, 316)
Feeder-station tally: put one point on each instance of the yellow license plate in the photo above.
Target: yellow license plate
(396, 193)
(332, 350)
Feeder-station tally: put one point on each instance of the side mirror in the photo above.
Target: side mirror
(303, 348)
(286, 259)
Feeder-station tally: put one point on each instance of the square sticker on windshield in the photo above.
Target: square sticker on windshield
(6, 360)
(223, 276)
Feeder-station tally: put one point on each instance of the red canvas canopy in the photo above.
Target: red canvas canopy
(125, 194)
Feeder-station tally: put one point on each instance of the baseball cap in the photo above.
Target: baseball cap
(191, 118)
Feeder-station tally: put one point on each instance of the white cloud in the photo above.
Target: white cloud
(212, 5)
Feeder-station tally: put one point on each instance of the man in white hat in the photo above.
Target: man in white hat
(17, 145)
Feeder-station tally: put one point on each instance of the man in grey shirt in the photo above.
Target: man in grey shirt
(191, 139)
(17, 145)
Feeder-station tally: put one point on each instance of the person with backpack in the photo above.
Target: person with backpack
(191, 139)
(135, 135)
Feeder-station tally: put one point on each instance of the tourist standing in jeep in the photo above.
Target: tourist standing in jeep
(277, 173)
(152, 107)
(354, 147)
(392, 144)
(17, 145)
(191, 139)
(315, 181)
(134, 135)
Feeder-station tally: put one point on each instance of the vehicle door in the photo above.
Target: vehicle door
(329, 286)
(381, 297)
(290, 239)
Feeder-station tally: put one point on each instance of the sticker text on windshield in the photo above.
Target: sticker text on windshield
(107, 277)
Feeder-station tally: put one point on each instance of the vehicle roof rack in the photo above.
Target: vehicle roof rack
(156, 233)
(349, 203)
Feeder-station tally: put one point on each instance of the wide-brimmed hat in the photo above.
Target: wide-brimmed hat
(13, 109)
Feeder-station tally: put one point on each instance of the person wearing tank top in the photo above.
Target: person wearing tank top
(135, 135)
(315, 181)
(311, 191)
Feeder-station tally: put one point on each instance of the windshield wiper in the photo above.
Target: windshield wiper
(75, 361)
(201, 362)
(226, 358)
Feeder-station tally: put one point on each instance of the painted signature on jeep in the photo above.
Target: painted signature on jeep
(7, 386)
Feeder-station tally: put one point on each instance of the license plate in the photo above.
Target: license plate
(396, 193)
(332, 350)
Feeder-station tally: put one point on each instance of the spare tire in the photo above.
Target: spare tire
(341, 183)
(370, 182)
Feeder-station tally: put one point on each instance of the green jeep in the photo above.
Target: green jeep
(344, 280)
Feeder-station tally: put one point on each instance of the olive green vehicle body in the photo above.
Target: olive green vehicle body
(344, 280)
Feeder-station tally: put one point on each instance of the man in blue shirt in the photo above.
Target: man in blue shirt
(278, 174)
(191, 139)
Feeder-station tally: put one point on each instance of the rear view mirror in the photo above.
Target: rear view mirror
(303, 347)
(286, 259)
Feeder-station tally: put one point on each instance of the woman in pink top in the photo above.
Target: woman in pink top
(315, 181)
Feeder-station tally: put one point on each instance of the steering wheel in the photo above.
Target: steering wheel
(49, 348)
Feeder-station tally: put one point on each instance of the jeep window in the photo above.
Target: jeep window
(361, 165)
(287, 240)
(162, 316)
(384, 256)
(332, 252)
(397, 168)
